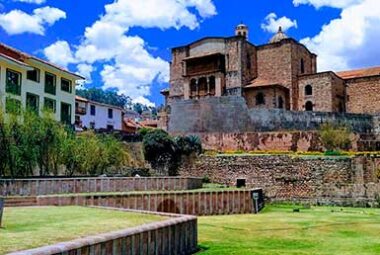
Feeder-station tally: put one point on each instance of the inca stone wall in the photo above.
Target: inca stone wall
(231, 114)
(322, 180)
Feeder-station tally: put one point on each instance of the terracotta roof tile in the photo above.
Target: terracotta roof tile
(365, 72)
(259, 82)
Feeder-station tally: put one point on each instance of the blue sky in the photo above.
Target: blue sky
(125, 44)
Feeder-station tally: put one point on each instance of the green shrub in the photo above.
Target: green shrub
(335, 137)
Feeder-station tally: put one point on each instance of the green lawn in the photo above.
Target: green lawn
(26, 228)
(277, 230)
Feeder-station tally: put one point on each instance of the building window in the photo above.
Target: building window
(66, 113)
(50, 104)
(110, 113)
(92, 110)
(193, 87)
(13, 83)
(92, 125)
(50, 83)
(260, 99)
(308, 90)
(110, 127)
(12, 106)
(280, 102)
(33, 75)
(302, 66)
(32, 103)
(66, 85)
(309, 107)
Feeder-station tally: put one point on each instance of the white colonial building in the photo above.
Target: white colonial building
(94, 115)
(30, 82)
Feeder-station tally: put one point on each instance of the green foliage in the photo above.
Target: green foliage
(111, 97)
(189, 144)
(165, 153)
(105, 96)
(335, 137)
(143, 131)
(161, 151)
(29, 142)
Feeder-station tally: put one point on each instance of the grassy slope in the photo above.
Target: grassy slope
(277, 230)
(26, 228)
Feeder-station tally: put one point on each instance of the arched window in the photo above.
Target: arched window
(308, 90)
(280, 102)
(302, 66)
(309, 106)
(260, 98)
(212, 85)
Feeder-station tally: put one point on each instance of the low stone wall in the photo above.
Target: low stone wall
(321, 180)
(36, 187)
(191, 203)
(177, 235)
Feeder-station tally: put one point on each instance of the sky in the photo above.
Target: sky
(125, 44)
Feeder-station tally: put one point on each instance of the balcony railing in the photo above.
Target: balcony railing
(80, 110)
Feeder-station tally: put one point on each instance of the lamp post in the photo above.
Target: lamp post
(1, 209)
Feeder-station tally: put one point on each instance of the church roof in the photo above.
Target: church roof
(259, 83)
(365, 72)
(279, 36)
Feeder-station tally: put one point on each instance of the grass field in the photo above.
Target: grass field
(26, 228)
(277, 230)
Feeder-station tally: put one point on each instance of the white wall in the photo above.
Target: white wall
(101, 119)
(28, 86)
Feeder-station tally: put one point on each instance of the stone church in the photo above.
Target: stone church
(281, 74)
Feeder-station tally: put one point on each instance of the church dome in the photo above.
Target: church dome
(279, 36)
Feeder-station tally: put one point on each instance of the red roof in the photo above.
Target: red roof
(259, 82)
(365, 72)
(22, 56)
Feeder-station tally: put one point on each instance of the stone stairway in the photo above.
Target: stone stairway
(20, 201)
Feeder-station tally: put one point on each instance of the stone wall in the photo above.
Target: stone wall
(324, 180)
(363, 95)
(35, 187)
(177, 235)
(231, 114)
(328, 92)
(184, 202)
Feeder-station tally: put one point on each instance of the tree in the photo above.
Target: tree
(161, 152)
(110, 97)
(335, 137)
(165, 153)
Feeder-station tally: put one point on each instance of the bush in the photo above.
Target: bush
(335, 137)
(29, 142)
(165, 153)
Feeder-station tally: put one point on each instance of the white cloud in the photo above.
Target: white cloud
(350, 41)
(31, 1)
(18, 22)
(60, 53)
(127, 62)
(143, 101)
(272, 23)
(327, 3)
(85, 70)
